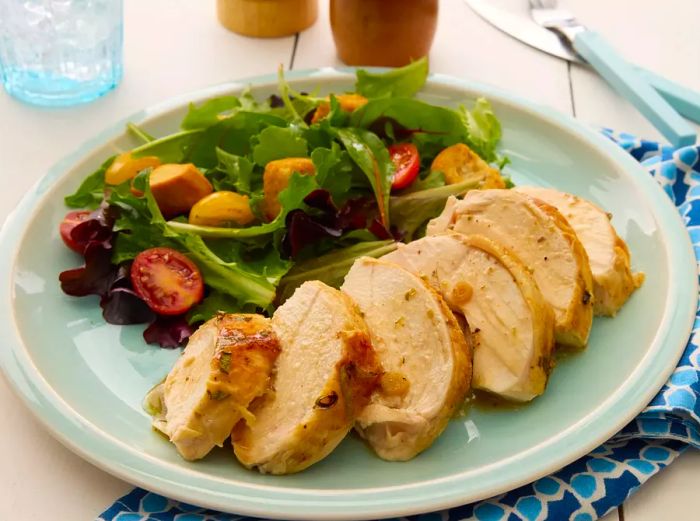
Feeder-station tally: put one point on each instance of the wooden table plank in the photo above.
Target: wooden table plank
(672, 494)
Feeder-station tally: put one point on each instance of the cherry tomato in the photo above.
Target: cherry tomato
(70, 221)
(407, 163)
(166, 280)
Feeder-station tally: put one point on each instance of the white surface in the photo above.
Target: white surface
(175, 46)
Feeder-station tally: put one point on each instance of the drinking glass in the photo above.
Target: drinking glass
(60, 52)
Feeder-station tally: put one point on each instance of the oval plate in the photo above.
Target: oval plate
(85, 379)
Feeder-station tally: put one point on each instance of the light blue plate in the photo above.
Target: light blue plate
(85, 379)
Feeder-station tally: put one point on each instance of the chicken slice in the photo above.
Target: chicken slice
(536, 233)
(512, 324)
(424, 353)
(613, 280)
(324, 376)
(226, 364)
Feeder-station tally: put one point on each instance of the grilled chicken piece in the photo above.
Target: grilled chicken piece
(613, 280)
(538, 234)
(513, 325)
(226, 364)
(424, 353)
(324, 376)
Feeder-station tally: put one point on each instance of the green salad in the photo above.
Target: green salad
(252, 197)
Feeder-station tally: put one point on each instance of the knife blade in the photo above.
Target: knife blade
(522, 28)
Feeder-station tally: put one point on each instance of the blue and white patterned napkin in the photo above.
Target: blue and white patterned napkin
(597, 483)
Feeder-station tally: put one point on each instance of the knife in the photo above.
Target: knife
(684, 100)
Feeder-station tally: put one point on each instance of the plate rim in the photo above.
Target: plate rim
(28, 383)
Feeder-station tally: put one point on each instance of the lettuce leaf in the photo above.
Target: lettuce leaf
(233, 173)
(371, 155)
(330, 268)
(91, 191)
(278, 143)
(411, 211)
(209, 112)
(139, 133)
(413, 114)
(333, 171)
(483, 129)
(169, 149)
(147, 228)
(403, 81)
(232, 135)
(433, 127)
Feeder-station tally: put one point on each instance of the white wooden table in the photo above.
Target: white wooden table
(41, 480)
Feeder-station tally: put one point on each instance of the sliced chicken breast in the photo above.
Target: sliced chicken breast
(324, 376)
(424, 353)
(226, 364)
(536, 233)
(512, 324)
(613, 280)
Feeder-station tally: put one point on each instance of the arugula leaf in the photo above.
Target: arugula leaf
(169, 149)
(209, 112)
(238, 172)
(278, 143)
(232, 135)
(412, 114)
(290, 199)
(91, 191)
(369, 153)
(409, 212)
(403, 81)
(330, 268)
(139, 133)
(333, 171)
(263, 260)
(296, 105)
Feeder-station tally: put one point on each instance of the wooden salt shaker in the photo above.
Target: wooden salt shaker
(267, 18)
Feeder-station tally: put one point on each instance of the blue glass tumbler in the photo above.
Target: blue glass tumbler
(60, 52)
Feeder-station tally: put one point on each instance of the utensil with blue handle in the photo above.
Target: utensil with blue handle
(621, 75)
(686, 101)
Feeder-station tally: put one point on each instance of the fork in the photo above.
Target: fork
(622, 76)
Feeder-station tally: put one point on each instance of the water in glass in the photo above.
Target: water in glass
(60, 52)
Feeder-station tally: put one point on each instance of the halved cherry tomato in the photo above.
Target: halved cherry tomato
(70, 221)
(406, 162)
(166, 280)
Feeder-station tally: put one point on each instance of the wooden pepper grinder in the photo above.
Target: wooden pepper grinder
(387, 33)
(267, 18)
